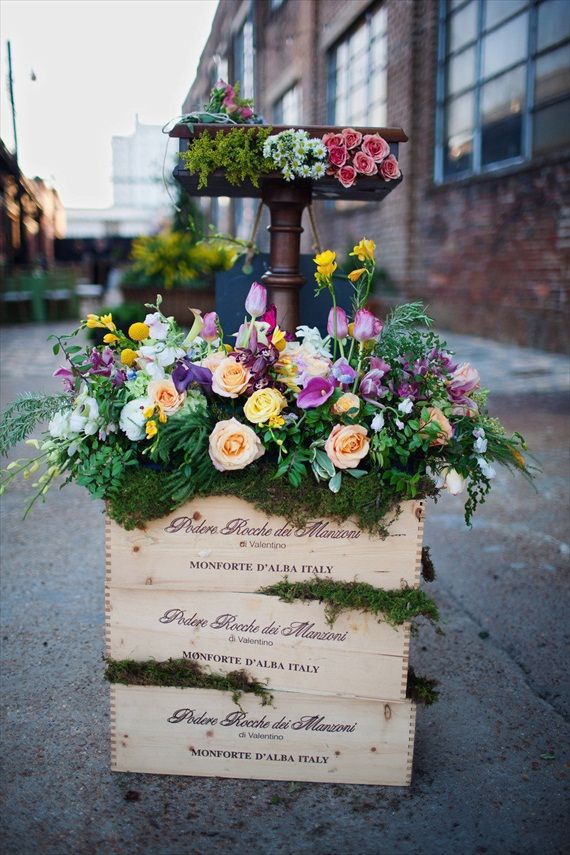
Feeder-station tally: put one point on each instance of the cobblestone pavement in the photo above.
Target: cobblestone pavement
(491, 763)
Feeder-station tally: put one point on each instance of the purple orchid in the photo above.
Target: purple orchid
(408, 390)
(67, 376)
(186, 372)
(316, 392)
(102, 363)
(342, 372)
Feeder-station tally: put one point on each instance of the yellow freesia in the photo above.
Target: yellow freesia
(355, 275)
(326, 269)
(323, 259)
(151, 429)
(110, 338)
(364, 250)
(107, 321)
(148, 412)
(278, 339)
(276, 422)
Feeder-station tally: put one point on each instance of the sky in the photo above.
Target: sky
(97, 64)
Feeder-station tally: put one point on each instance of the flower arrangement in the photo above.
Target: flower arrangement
(172, 259)
(296, 154)
(225, 105)
(351, 154)
(374, 412)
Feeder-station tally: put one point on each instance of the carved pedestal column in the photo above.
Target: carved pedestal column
(286, 203)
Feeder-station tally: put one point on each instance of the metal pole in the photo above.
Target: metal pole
(11, 88)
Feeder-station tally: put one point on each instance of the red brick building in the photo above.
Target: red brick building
(480, 227)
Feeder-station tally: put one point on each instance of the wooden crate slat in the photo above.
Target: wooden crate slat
(376, 748)
(272, 640)
(192, 549)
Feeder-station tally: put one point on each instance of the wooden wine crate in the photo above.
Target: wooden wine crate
(224, 544)
(300, 738)
(289, 644)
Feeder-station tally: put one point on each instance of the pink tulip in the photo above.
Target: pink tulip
(340, 330)
(210, 329)
(366, 325)
(256, 300)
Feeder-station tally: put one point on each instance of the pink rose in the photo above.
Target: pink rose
(331, 140)
(375, 146)
(346, 175)
(351, 137)
(389, 168)
(338, 155)
(364, 164)
(246, 112)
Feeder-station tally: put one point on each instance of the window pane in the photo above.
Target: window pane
(553, 22)
(459, 134)
(552, 127)
(378, 22)
(463, 26)
(453, 4)
(498, 10)
(378, 86)
(379, 53)
(505, 46)
(377, 115)
(461, 71)
(458, 154)
(552, 75)
(501, 110)
(460, 114)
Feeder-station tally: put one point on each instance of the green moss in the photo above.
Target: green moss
(239, 153)
(421, 689)
(146, 495)
(183, 674)
(395, 607)
(428, 570)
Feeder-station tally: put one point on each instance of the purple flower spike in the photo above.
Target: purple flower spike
(366, 325)
(343, 372)
(256, 300)
(316, 392)
(185, 373)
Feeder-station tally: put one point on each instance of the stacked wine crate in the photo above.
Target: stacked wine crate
(185, 587)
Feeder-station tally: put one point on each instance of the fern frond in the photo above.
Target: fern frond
(23, 415)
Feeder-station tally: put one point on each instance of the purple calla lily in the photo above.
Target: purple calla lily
(185, 373)
(316, 392)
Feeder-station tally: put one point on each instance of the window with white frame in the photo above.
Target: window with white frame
(503, 83)
(288, 110)
(357, 74)
(243, 70)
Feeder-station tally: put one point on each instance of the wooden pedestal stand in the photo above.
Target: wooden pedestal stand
(286, 202)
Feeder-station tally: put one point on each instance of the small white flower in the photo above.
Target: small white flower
(312, 337)
(486, 468)
(158, 329)
(59, 426)
(480, 445)
(377, 422)
(406, 406)
(132, 420)
(454, 482)
(399, 424)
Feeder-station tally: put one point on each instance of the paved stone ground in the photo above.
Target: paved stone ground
(491, 765)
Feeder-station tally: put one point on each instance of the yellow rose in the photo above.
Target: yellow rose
(445, 431)
(263, 405)
(138, 332)
(364, 250)
(233, 445)
(230, 378)
(164, 395)
(346, 402)
(324, 258)
(355, 275)
(347, 445)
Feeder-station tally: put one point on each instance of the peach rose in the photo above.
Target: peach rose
(213, 360)
(389, 169)
(375, 146)
(164, 395)
(347, 445)
(446, 431)
(230, 378)
(346, 402)
(364, 164)
(233, 445)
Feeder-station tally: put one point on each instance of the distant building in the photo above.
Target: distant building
(480, 227)
(141, 204)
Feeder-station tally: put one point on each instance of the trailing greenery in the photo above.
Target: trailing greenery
(238, 152)
(428, 570)
(184, 674)
(421, 689)
(395, 607)
(147, 494)
(22, 416)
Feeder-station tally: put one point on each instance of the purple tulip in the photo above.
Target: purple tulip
(209, 331)
(256, 300)
(378, 364)
(185, 373)
(316, 392)
(341, 330)
(343, 372)
(366, 325)
(371, 385)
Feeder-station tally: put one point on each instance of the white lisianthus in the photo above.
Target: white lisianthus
(480, 445)
(159, 353)
(59, 427)
(158, 329)
(377, 422)
(406, 406)
(132, 420)
(486, 468)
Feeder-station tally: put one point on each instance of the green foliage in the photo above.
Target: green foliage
(395, 607)
(184, 674)
(238, 152)
(22, 416)
(421, 689)
(101, 467)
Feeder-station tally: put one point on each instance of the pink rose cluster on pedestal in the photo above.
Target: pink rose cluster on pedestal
(352, 154)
